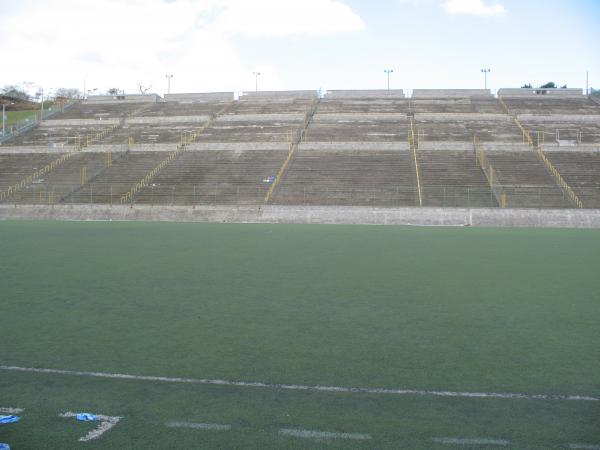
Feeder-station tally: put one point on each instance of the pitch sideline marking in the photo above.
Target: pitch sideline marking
(11, 410)
(106, 423)
(472, 441)
(299, 387)
(584, 446)
(300, 433)
(199, 426)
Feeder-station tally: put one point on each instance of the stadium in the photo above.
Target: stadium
(344, 268)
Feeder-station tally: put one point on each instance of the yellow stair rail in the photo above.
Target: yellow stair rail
(187, 137)
(490, 173)
(280, 173)
(21, 184)
(295, 139)
(559, 179)
(413, 148)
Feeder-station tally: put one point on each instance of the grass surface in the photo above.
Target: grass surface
(461, 309)
(13, 117)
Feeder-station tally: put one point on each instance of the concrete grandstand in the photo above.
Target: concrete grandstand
(437, 148)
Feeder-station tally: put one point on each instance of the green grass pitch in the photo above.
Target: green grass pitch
(444, 309)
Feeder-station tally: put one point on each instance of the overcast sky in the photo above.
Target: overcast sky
(216, 45)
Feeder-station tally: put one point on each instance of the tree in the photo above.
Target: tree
(549, 85)
(67, 93)
(15, 92)
(526, 86)
(564, 86)
(113, 91)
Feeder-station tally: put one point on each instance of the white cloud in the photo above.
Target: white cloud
(474, 7)
(264, 18)
(117, 43)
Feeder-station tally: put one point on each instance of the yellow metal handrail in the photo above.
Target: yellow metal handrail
(413, 149)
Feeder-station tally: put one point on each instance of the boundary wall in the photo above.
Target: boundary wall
(540, 93)
(480, 217)
(365, 94)
(200, 97)
(450, 93)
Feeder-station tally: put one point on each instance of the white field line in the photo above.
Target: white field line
(472, 441)
(106, 423)
(584, 446)
(300, 433)
(299, 387)
(199, 426)
(11, 410)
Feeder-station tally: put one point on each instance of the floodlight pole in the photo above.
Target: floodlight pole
(587, 82)
(485, 73)
(388, 71)
(169, 83)
(3, 127)
(256, 74)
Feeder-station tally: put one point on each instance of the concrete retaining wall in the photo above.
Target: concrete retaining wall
(453, 117)
(79, 122)
(21, 149)
(352, 146)
(166, 120)
(585, 148)
(153, 147)
(556, 118)
(468, 146)
(128, 98)
(450, 93)
(238, 146)
(277, 94)
(538, 92)
(340, 117)
(533, 218)
(375, 93)
(200, 97)
(293, 117)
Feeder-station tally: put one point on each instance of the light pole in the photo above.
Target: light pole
(388, 71)
(169, 83)
(587, 82)
(256, 74)
(485, 73)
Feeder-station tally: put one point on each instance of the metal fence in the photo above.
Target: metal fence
(30, 122)
(231, 194)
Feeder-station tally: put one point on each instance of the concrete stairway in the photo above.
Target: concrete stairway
(113, 182)
(453, 178)
(582, 172)
(526, 181)
(221, 177)
(349, 177)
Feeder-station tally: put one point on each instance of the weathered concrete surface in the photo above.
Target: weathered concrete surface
(483, 217)
(128, 98)
(579, 148)
(200, 97)
(78, 122)
(358, 117)
(533, 92)
(153, 147)
(351, 146)
(166, 120)
(269, 95)
(374, 93)
(463, 117)
(104, 148)
(238, 146)
(450, 93)
(557, 118)
(292, 117)
(22, 149)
